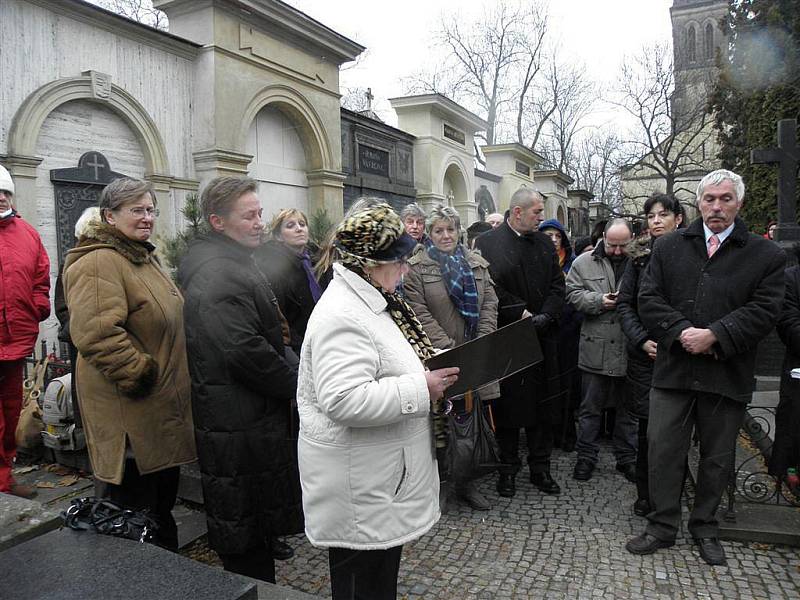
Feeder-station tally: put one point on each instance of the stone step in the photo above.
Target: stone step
(767, 383)
(22, 520)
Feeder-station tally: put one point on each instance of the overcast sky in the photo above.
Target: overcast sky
(398, 34)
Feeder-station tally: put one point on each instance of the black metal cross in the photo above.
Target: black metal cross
(787, 156)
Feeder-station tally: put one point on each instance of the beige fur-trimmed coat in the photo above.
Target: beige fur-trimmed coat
(126, 319)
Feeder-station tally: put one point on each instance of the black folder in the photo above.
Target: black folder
(490, 357)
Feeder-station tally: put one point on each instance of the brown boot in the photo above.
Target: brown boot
(23, 491)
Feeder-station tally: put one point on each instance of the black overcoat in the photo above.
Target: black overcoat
(527, 275)
(786, 449)
(737, 294)
(639, 371)
(242, 388)
(288, 279)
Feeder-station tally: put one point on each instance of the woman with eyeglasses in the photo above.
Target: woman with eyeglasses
(126, 320)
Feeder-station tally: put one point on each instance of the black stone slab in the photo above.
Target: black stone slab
(71, 565)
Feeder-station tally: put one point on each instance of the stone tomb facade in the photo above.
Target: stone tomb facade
(377, 160)
(236, 87)
(443, 151)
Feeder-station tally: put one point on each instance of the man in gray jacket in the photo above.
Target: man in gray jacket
(592, 289)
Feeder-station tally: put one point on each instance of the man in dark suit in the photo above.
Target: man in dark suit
(524, 266)
(711, 292)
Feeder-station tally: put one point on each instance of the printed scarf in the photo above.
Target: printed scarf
(459, 281)
(403, 316)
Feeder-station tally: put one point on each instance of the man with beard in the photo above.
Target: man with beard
(524, 266)
(592, 289)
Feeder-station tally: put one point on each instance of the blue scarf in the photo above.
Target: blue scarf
(459, 281)
(313, 284)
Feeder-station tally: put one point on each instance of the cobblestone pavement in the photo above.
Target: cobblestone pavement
(566, 546)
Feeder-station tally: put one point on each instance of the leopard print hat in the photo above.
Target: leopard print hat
(372, 236)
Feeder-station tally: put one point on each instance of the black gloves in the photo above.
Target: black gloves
(541, 321)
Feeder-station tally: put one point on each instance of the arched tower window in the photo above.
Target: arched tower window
(691, 44)
(709, 41)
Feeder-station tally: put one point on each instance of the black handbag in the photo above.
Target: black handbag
(472, 448)
(108, 518)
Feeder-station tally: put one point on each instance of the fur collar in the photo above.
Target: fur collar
(640, 247)
(101, 235)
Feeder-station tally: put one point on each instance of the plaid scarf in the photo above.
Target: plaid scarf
(460, 284)
(403, 316)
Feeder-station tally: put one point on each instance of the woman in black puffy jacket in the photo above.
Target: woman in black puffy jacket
(664, 214)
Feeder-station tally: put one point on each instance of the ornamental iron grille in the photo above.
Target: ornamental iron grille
(76, 189)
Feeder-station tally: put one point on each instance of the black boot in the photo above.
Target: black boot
(507, 485)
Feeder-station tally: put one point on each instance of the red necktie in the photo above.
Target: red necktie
(713, 245)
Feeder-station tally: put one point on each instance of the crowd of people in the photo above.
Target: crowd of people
(295, 374)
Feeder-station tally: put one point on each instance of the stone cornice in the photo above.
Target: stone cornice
(516, 150)
(121, 26)
(277, 15)
(444, 106)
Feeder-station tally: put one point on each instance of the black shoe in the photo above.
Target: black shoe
(628, 470)
(646, 544)
(280, 550)
(544, 481)
(583, 470)
(711, 550)
(641, 507)
(506, 486)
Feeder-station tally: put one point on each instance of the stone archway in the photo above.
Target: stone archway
(457, 189)
(561, 216)
(324, 180)
(35, 109)
(26, 126)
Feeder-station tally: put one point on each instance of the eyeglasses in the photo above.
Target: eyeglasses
(139, 212)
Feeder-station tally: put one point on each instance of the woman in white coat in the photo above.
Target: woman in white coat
(368, 412)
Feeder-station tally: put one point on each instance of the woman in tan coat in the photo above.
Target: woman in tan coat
(126, 319)
(450, 290)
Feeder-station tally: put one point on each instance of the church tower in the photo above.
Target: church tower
(696, 39)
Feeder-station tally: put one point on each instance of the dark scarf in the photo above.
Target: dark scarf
(313, 284)
(459, 281)
(403, 316)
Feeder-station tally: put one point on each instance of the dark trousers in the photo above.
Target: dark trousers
(600, 391)
(10, 407)
(540, 447)
(256, 563)
(642, 486)
(364, 574)
(673, 416)
(155, 492)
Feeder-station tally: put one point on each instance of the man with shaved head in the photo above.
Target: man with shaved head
(592, 285)
(524, 266)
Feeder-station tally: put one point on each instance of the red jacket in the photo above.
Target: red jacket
(24, 287)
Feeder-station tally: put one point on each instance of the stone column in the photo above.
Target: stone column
(218, 163)
(326, 192)
(161, 184)
(23, 171)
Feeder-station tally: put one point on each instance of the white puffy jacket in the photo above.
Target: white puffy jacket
(366, 449)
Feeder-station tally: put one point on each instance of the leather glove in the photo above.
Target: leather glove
(541, 321)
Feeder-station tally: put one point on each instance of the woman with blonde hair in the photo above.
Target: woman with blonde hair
(286, 259)
(451, 292)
